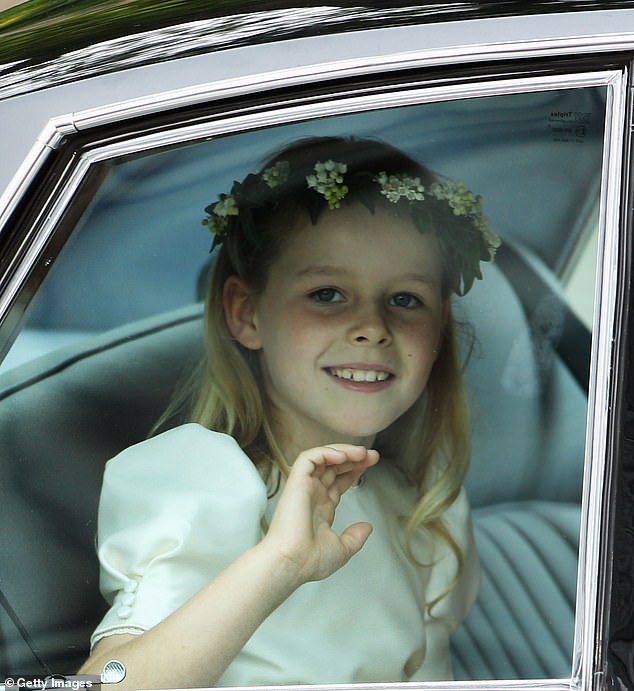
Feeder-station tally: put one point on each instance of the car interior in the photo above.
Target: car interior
(117, 324)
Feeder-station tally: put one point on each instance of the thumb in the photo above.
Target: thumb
(354, 537)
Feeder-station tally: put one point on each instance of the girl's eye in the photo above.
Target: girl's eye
(327, 295)
(405, 300)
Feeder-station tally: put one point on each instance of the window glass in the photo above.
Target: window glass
(116, 327)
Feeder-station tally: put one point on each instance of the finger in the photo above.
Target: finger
(329, 476)
(322, 461)
(335, 453)
(353, 452)
(340, 478)
(342, 484)
(349, 474)
(343, 456)
(336, 481)
(359, 457)
(321, 456)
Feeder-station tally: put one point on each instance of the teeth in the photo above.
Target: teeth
(360, 374)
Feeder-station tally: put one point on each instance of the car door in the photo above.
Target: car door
(114, 151)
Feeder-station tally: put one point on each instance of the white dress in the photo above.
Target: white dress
(178, 508)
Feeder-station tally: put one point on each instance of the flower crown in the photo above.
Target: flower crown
(446, 206)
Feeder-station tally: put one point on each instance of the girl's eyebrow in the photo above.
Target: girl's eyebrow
(421, 278)
(317, 270)
(321, 270)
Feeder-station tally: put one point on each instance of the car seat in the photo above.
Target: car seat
(529, 407)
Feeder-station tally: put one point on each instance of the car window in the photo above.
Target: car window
(115, 330)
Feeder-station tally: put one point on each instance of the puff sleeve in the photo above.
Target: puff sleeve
(175, 510)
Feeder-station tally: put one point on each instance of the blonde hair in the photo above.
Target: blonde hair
(431, 440)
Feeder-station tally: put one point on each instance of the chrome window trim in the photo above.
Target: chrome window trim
(411, 95)
(587, 605)
(319, 72)
(598, 460)
(47, 142)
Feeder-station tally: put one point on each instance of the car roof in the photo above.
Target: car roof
(61, 27)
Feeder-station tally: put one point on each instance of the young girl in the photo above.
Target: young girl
(236, 549)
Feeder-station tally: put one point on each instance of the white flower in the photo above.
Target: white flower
(460, 199)
(277, 174)
(327, 180)
(400, 186)
(226, 207)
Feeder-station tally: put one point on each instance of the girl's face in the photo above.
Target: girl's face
(349, 325)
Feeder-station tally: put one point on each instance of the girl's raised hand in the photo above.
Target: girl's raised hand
(301, 529)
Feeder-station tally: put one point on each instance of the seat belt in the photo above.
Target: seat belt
(566, 333)
(6, 605)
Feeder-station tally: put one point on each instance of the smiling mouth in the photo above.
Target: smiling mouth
(359, 375)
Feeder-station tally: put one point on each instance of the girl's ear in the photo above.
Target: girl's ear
(239, 309)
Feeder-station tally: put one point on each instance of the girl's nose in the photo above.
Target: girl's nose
(370, 328)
